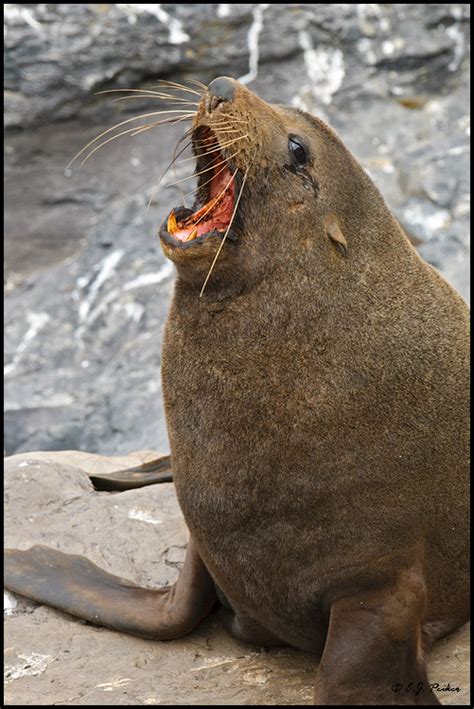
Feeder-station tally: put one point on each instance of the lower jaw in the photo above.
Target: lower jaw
(171, 241)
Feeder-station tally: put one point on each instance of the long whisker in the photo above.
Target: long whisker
(146, 93)
(155, 188)
(226, 232)
(229, 119)
(224, 162)
(168, 121)
(223, 127)
(122, 123)
(136, 91)
(181, 87)
(187, 134)
(176, 156)
(215, 150)
(212, 141)
(196, 81)
(173, 163)
(216, 200)
(223, 121)
(133, 131)
(177, 100)
(181, 192)
(128, 131)
(209, 142)
(189, 177)
(197, 174)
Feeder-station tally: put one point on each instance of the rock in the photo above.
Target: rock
(53, 658)
(58, 55)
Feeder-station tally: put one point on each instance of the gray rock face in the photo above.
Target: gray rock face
(53, 658)
(87, 287)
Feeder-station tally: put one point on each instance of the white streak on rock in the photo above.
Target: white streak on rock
(82, 281)
(143, 516)
(134, 311)
(106, 270)
(223, 10)
(252, 43)
(15, 14)
(150, 279)
(325, 69)
(416, 215)
(109, 686)
(366, 12)
(364, 46)
(389, 46)
(457, 150)
(176, 34)
(256, 675)
(60, 399)
(218, 661)
(455, 33)
(464, 124)
(214, 663)
(146, 279)
(34, 664)
(36, 323)
(9, 602)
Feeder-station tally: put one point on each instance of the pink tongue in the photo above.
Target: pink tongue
(219, 220)
(218, 217)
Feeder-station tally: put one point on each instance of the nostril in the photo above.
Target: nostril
(213, 102)
(220, 90)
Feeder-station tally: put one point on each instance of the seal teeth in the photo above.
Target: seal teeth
(172, 224)
(192, 234)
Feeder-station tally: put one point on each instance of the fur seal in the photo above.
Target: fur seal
(316, 398)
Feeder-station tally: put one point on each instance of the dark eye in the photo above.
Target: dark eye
(298, 152)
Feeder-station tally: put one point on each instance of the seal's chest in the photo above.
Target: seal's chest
(223, 380)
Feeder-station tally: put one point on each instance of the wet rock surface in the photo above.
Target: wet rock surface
(53, 658)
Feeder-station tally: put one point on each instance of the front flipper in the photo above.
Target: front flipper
(151, 473)
(74, 584)
(373, 654)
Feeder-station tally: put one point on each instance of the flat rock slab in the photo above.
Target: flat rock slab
(53, 658)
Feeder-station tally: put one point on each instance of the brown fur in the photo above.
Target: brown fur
(317, 409)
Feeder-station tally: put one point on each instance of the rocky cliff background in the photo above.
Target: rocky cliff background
(87, 287)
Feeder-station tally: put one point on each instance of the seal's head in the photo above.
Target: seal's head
(270, 179)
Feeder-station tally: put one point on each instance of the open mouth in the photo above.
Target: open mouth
(213, 208)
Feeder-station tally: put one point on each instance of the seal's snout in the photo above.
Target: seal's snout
(220, 90)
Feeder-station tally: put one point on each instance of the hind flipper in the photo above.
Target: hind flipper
(151, 473)
(75, 585)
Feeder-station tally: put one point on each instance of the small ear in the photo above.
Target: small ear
(333, 230)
